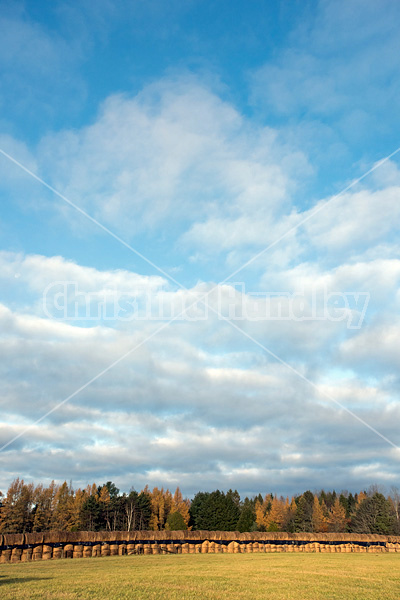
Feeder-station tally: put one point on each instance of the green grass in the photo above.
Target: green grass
(207, 576)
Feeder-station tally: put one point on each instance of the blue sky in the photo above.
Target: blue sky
(222, 148)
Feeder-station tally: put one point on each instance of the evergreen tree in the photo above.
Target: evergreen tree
(175, 522)
(247, 518)
(374, 515)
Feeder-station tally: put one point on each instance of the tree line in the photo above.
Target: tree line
(26, 507)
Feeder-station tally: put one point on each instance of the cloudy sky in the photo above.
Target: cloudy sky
(199, 259)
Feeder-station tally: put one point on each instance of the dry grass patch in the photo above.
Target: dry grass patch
(217, 576)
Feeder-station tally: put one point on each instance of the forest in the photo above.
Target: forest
(26, 507)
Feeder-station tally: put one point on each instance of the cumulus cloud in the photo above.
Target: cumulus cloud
(182, 404)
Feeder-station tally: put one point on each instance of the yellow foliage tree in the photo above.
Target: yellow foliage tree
(319, 520)
(337, 518)
(275, 516)
(181, 506)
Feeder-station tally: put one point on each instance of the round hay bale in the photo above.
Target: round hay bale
(122, 550)
(26, 554)
(68, 550)
(231, 547)
(58, 552)
(185, 548)
(130, 549)
(77, 552)
(47, 553)
(205, 547)
(178, 548)
(155, 548)
(191, 549)
(171, 549)
(96, 550)
(6, 555)
(249, 547)
(113, 550)
(87, 551)
(211, 548)
(16, 554)
(146, 549)
(105, 550)
(197, 548)
(163, 548)
(37, 553)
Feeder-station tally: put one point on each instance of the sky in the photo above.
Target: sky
(199, 249)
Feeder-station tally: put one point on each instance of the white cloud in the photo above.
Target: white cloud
(173, 155)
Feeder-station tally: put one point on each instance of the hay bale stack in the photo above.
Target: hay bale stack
(185, 548)
(131, 549)
(26, 554)
(236, 548)
(77, 552)
(16, 554)
(58, 552)
(105, 549)
(6, 555)
(231, 547)
(155, 548)
(37, 552)
(47, 552)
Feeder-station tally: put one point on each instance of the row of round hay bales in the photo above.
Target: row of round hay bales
(89, 548)
(195, 537)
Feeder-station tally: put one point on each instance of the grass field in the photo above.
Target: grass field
(228, 576)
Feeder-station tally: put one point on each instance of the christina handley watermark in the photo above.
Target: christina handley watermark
(65, 300)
